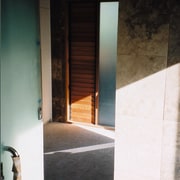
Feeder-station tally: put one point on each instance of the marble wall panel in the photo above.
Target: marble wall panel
(171, 137)
(132, 68)
(172, 96)
(137, 148)
(134, 40)
(140, 45)
(174, 36)
(177, 159)
(140, 92)
(143, 98)
(168, 159)
(58, 60)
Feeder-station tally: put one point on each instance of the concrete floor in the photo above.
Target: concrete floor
(72, 152)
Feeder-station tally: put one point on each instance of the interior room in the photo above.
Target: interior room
(90, 89)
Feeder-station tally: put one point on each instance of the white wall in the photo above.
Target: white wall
(46, 60)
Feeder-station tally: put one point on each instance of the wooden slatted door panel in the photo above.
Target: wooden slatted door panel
(82, 36)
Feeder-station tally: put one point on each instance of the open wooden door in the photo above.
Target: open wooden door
(82, 59)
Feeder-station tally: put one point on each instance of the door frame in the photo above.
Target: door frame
(67, 78)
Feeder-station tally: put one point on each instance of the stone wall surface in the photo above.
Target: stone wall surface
(147, 91)
(171, 138)
(58, 60)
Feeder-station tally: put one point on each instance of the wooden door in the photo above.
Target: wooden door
(82, 56)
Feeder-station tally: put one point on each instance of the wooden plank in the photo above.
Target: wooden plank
(83, 44)
(82, 61)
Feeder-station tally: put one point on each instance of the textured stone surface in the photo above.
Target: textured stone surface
(140, 83)
(140, 45)
(142, 98)
(172, 96)
(168, 159)
(58, 60)
(177, 160)
(170, 169)
(174, 35)
(137, 68)
(171, 138)
(137, 148)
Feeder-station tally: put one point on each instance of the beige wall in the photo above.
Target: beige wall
(147, 103)
(46, 60)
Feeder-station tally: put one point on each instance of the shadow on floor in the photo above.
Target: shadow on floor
(74, 153)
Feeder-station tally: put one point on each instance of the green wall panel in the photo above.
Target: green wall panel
(20, 86)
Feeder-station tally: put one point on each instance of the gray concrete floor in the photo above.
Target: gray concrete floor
(74, 153)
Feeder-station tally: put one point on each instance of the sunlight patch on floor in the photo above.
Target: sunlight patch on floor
(98, 130)
(83, 149)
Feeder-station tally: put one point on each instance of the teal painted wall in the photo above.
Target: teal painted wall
(20, 87)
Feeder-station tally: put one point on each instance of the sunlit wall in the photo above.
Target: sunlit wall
(147, 100)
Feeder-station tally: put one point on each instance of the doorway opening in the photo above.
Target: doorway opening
(92, 54)
(76, 39)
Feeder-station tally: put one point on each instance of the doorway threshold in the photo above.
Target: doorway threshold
(107, 131)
